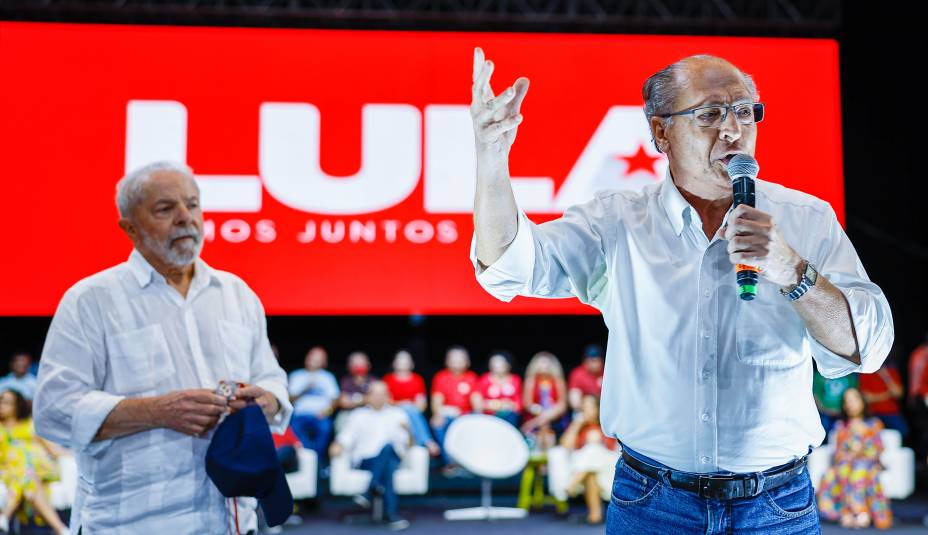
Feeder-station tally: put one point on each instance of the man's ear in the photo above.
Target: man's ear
(659, 134)
(129, 228)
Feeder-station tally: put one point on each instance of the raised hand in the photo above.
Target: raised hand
(496, 118)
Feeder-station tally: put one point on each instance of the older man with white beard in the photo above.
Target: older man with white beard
(131, 364)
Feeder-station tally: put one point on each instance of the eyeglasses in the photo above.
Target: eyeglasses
(714, 116)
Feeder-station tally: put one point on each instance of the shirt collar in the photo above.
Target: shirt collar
(674, 204)
(144, 273)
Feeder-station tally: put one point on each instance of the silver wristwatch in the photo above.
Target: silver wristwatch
(809, 276)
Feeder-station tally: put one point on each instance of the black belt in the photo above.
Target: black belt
(718, 487)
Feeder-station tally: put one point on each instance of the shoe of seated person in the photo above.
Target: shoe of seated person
(397, 524)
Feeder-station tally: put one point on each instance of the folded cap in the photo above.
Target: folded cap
(241, 461)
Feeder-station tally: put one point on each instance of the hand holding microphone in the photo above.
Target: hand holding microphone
(755, 245)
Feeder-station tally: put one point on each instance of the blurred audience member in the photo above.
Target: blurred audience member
(26, 465)
(21, 377)
(545, 400)
(407, 390)
(918, 373)
(313, 391)
(918, 397)
(828, 394)
(286, 445)
(454, 392)
(587, 378)
(375, 438)
(850, 491)
(592, 459)
(500, 389)
(882, 391)
(357, 382)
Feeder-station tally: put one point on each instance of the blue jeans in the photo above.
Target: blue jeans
(643, 505)
(313, 431)
(440, 432)
(417, 424)
(382, 468)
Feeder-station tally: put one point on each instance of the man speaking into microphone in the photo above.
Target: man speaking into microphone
(709, 393)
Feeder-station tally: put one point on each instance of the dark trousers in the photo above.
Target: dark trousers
(314, 432)
(382, 468)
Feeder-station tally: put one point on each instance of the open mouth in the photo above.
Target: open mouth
(725, 160)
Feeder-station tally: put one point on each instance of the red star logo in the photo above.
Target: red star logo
(641, 160)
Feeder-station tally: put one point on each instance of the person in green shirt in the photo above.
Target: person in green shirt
(828, 394)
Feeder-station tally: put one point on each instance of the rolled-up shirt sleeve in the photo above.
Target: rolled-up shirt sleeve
(870, 313)
(266, 372)
(561, 258)
(70, 406)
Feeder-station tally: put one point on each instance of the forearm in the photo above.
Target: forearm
(127, 417)
(827, 316)
(495, 209)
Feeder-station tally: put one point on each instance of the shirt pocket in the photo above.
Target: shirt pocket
(236, 343)
(769, 334)
(139, 360)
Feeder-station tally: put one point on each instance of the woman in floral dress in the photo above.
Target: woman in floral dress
(850, 491)
(26, 465)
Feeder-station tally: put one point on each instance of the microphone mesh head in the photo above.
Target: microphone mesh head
(743, 165)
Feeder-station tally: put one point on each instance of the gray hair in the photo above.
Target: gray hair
(660, 89)
(129, 187)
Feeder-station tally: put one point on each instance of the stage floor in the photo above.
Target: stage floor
(426, 518)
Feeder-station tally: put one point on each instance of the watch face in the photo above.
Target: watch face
(810, 273)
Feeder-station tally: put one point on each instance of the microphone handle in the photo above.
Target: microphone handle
(746, 276)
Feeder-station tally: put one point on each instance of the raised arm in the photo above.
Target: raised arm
(496, 120)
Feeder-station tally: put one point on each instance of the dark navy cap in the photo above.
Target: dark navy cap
(241, 461)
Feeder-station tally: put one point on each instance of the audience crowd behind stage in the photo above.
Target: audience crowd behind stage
(375, 420)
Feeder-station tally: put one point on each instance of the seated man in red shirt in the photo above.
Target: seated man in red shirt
(587, 378)
(407, 390)
(454, 392)
(882, 391)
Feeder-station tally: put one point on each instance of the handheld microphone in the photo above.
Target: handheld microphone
(743, 170)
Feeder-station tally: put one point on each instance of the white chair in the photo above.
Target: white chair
(412, 477)
(303, 482)
(898, 477)
(490, 448)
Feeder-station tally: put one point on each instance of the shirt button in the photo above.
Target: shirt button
(704, 460)
(705, 416)
(705, 334)
(706, 376)
(707, 293)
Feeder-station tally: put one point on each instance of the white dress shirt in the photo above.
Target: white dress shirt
(367, 431)
(695, 377)
(125, 333)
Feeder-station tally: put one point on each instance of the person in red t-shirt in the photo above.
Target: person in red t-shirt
(454, 392)
(286, 445)
(882, 391)
(918, 397)
(918, 375)
(500, 389)
(544, 399)
(407, 390)
(587, 378)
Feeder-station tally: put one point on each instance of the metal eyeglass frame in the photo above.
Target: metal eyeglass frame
(757, 107)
